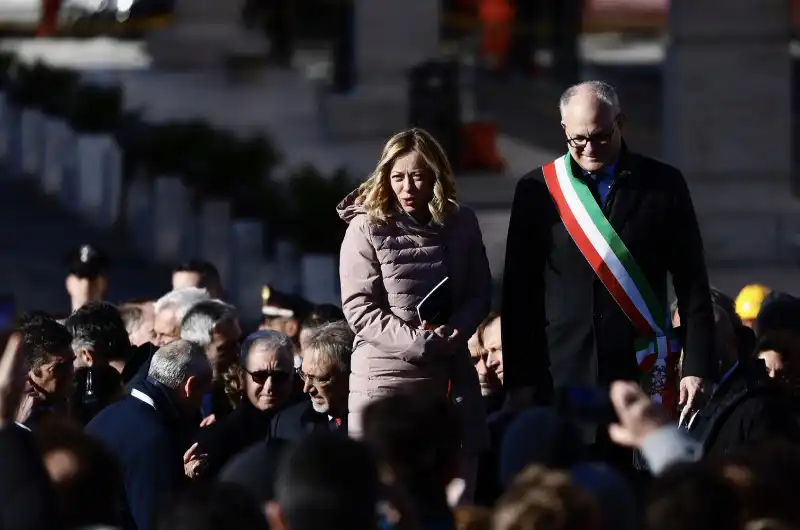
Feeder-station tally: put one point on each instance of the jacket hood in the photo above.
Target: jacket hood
(348, 209)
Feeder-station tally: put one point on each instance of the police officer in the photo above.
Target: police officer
(87, 275)
(283, 312)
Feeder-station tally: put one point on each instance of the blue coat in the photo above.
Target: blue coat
(149, 435)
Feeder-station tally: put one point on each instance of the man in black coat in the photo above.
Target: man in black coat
(151, 428)
(561, 326)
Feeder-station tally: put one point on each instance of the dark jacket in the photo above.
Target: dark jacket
(27, 499)
(297, 421)
(488, 487)
(560, 325)
(746, 408)
(149, 442)
(223, 439)
(137, 365)
(215, 401)
(256, 468)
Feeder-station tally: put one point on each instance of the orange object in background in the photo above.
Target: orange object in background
(49, 23)
(480, 147)
(497, 18)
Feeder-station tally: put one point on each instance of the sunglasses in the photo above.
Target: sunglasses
(260, 376)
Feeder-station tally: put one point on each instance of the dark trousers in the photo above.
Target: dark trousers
(280, 27)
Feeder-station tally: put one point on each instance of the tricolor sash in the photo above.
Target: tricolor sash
(657, 350)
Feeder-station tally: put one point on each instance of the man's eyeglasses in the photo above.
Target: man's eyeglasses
(314, 380)
(260, 376)
(601, 138)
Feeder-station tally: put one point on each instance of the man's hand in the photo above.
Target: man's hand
(691, 387)
(28, 403)
(638, 415)
(194, 465)
(12, 380)
(211, 419)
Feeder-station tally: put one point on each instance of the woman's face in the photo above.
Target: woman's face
(412, 183)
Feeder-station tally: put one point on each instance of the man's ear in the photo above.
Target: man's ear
(275, 516)
(190, 386)
(86, 357)
(622, 120)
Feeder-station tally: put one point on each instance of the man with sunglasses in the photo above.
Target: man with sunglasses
(267, 372)
(592, 238)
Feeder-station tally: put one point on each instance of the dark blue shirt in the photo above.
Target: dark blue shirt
(604, 180)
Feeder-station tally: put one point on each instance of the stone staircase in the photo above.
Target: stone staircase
(35, 235)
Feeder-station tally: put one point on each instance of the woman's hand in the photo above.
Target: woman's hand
(445, 332)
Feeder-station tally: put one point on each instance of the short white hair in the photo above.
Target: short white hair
(181, 300)
(174, 363)
(274, 341)
(603, 91)
(198, 324)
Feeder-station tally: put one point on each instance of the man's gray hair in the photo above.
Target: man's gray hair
(181, 300)
(333, 342)
(275, 341)
(602, 90)
(132, 316)
(723, 305)
(199, 322)
(173, 363)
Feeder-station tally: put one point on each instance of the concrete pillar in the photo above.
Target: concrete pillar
(205, 34)
(391, 36)
(727, 88)
(728, 125)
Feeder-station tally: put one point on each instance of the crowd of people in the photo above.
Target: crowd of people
(584, 402)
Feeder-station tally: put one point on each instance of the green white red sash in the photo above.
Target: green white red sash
(657, 350)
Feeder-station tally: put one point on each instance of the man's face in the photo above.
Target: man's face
(488, 359)
(773, 361)
(592, 130)
(288, 326)
(184, 279)
(268, 378)
(55, 376)
(324, 383)
(165, 327)
(224, 348)
(146, 331)
(86, 289)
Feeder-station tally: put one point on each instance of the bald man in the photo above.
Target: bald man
(592, 238)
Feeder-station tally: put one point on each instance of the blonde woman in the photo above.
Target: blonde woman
(406, 233)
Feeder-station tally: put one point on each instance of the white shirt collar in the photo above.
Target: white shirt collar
(144, 398)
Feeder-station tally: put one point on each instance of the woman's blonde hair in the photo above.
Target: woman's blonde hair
(375, 194)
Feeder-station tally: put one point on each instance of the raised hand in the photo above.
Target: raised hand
(12, 380)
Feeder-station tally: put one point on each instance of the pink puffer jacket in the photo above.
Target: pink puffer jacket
(385, 271)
